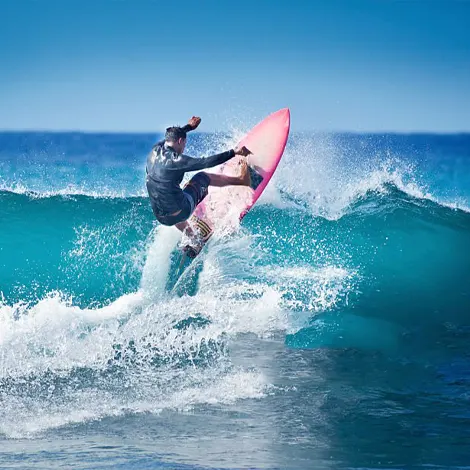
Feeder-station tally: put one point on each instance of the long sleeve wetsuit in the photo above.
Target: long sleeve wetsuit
(165, 171)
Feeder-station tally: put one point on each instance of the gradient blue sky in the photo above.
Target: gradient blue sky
(141, 65)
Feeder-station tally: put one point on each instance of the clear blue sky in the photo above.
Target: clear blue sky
(140, 65)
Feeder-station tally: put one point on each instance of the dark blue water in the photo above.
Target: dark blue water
(331, 331)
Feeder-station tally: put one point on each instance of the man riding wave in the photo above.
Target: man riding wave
(166, 166)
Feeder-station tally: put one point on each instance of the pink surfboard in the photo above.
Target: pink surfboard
(223, 208)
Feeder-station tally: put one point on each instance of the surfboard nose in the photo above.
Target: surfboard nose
(282, 114)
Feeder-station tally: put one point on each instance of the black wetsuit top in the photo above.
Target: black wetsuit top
(165, 171)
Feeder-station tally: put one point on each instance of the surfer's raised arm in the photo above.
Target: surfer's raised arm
(192, 124)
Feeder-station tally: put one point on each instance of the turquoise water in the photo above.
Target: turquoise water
(330, 331)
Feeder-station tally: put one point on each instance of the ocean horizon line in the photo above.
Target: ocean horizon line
(299, 132)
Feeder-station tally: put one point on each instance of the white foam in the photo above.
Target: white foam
(308, 291)
(157, 265)
(54, 336)
(86, 406)
(70, 191)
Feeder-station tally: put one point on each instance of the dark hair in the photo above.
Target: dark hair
(175, 133)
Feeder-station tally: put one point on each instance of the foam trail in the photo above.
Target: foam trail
(157, 265)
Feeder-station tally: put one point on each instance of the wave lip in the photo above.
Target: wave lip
(325, 174)
(71, 191)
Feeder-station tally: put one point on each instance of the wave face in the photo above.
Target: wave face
(359, 243)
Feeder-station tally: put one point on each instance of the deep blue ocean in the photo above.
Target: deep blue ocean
(331, 331)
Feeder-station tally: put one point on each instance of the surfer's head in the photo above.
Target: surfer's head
(176, 137)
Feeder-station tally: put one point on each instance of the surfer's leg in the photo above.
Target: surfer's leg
(243, 179)
(182, 224)
(196, 189)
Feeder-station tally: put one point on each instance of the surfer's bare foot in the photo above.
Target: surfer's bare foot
(245, 177)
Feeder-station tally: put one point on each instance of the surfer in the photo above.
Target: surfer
(166, 166)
